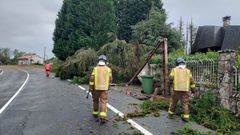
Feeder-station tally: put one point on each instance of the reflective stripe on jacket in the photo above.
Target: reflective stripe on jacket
(181, 79)
(102, 76)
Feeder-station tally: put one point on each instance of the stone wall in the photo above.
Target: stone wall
(229, 98)
(226, 78)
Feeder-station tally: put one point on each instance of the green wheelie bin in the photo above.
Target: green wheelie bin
(147, 84)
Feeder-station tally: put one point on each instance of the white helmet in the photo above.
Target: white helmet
(102, 57)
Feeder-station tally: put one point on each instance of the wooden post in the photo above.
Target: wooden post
(165, 69)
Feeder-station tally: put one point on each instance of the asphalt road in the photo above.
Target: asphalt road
(49, 106)
(10, 81)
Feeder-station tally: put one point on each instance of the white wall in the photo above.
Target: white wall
(37, 59)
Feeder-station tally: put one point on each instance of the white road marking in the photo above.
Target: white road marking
(15, 95)
(69, 80)
(1, 71)
(133, 123)
(81, 87)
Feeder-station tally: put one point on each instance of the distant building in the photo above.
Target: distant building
(30, 59)
(217, 38)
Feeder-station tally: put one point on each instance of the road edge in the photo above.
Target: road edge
(1, 71)
(16, 94)
(120, 114)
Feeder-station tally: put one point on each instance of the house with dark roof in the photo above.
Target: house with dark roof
(217, 38)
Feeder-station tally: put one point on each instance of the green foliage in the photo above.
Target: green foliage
(147, 31)
(136, 114)
(83, 24)
(133, 133)
(130, 12)
(157, 59)
(8, 56)
(238, 59)
(124, 58)
(206, 111)
(197, 56)
(80, 80)
(56, 64)
(5, 56)
(150, 107)
(153, 106)
(80, 64)
(188, 130)
(137, 133)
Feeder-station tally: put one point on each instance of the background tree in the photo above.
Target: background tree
(5, 55)
(181, 30)
(16, 54)
(130, 12)
(147, 31)
(192, 33)
(83, 24)
(181, 26)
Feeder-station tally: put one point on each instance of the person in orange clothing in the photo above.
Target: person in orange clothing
(48, 68)
(99, 82)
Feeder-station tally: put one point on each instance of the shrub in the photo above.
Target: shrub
(124, 58)
(188, 130)
(206, 111)
(180, 53)
(56, 63)
(80, 64)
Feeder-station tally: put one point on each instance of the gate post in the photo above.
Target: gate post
(226, 76)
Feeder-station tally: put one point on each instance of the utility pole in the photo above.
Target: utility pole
(44, 55)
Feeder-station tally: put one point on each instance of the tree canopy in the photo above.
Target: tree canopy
(147, 31)
(130, 12)
(83, 24)
(91, 24)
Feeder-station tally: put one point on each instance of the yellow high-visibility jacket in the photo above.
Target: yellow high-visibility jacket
(100, 78)
(182, 78)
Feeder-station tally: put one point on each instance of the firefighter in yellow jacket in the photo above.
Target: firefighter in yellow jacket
(183, 83)
(100, 79)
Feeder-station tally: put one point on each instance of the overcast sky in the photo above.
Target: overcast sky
(203, 12)
(28, 25)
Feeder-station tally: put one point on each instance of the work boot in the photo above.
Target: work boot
(185, 119)
(95, 114)
(103, 116)
(103, 120)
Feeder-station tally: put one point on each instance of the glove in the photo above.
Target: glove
(193, 90)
